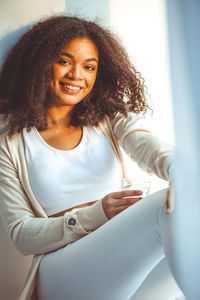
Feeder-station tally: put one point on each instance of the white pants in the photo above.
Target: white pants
(111, 262)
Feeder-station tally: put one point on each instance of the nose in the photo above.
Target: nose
(75, 73)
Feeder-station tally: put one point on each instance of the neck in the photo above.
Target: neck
(59, 116)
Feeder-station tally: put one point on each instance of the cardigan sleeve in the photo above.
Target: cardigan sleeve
(147, 150)
(39, 234)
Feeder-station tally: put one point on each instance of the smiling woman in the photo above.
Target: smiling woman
(74, 76)
(74, 73)
(69, 93)
(36, 69)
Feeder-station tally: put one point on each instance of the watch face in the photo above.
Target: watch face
(72, 221)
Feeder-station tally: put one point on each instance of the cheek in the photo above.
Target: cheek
(92, 81)
(57, 72)
(54, 86)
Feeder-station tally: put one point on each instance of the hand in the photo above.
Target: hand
(114, 203)
(170, 200)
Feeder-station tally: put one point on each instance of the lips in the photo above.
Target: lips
(72, 89)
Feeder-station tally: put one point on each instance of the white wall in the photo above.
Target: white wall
(17, 13)
(90, 9)
(143, 30)
(142, 27)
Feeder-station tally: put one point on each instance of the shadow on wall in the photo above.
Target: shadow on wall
(10, 40)
(14, 267)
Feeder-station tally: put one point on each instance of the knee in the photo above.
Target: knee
(159, 196)
(158, 202)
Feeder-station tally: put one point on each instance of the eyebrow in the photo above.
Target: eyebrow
(71, 56)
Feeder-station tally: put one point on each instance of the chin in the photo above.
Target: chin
(62, 101)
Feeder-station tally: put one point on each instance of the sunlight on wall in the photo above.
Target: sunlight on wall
(142, 27)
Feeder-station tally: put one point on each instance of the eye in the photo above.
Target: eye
(63, 62)
(90, 68)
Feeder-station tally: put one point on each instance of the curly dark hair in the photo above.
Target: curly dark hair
(27, 71)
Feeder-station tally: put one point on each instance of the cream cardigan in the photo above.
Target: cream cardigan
(27, 224)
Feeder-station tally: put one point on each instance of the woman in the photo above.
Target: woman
(68, 92)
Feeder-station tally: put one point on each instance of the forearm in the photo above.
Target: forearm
(39, 235)
(32, 232)
(150, 154)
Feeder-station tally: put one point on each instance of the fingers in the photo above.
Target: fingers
(122, 206)
(113, 203)
(128, 193)
(118, 209)
(126, 201)
(169, 202)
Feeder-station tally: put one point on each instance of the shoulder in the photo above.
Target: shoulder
(124, 123)
(10, 146)
(3, 125)
(5, 140)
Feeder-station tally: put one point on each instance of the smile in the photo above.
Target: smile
(70, 87)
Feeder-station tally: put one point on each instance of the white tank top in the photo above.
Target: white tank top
(61, 179)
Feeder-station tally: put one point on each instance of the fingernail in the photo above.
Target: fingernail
(168, 210)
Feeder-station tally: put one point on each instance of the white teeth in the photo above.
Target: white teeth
(74, 88)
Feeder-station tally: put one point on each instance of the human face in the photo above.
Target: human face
(74, 73)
